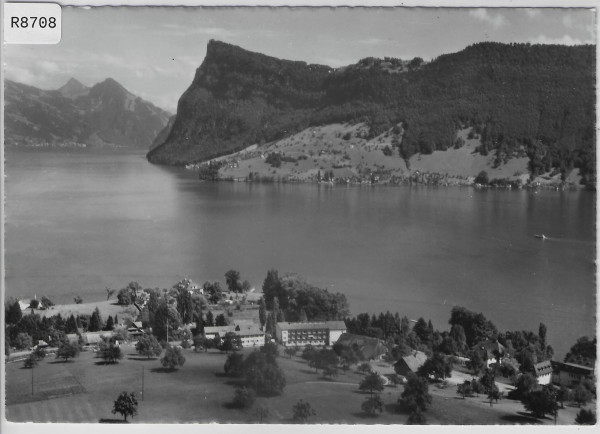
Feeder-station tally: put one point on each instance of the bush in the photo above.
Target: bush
(244, 398)
(585, 417)
(173, 358)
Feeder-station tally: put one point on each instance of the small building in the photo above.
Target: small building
(371, 348)
(492, 351)
(543, 372)
(410, 364)
(94, 338)
(569, 374)
(309, 333)
(135, 330)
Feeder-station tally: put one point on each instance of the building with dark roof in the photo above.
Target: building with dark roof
(491, 351)
(309, 333)
(410, 364)
(371, 348)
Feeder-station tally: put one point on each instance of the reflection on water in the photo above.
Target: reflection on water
(77, 223)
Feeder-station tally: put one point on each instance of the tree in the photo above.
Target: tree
(77, 299)
(210, 320)
(372, 405)
(371, 382)
(39, 353)
(220, 320)
(67, 350)
(110, 323)
(166, 319)
(231, 342)
(264, 377)
(542, 332)
(585, 417)
(126, 405)
(416, 417)
(482, 178)
(31, 361)
(262, 311)
(262, 413)
(95, 321)
(476, 363)
(109, 292)
(173, 358)
(464, 389)
(437, 366)
(541, 402)
(563, 394)
(23, 341)
(213, 290)
(246, 286)
(110, 351)
(243, 397)
(416, 393)
(525, 384)
(364, 367)
(148, 346)
(302, 411)
(232, 280)
(234, 365)
(13, 313)
(290, 351)
(581, 395)
(271, 350)
(34, 303)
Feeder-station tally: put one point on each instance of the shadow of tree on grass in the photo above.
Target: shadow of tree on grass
(105, 420)
(521, 418)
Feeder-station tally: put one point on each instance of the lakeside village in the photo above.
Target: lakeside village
(295, 342)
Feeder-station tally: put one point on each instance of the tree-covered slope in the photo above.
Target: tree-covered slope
(535, 100)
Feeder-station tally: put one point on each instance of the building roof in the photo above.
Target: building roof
(490, 348)
(542, 368)
(414, 361)
(240, 328)
(371, 348)
(329, 325)
(572, 368)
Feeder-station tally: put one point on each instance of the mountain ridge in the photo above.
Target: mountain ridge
(105, 114)
(535, 99)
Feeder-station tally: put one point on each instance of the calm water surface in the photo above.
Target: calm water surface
(78, 222)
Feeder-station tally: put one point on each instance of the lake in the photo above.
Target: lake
(77, 222)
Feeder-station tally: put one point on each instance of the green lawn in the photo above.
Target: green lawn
(84, 391)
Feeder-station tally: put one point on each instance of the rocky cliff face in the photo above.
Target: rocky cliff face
(520, 100)
(238, 98)
(106, 114)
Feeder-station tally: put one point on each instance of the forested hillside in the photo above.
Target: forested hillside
(521, 99)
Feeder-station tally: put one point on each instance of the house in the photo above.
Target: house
(568, 374)
(371, 348)
(94, 338)
(543, 372)
(313, 333)
(247, 330)
(135, 329)
(492, 351)
(410, 364)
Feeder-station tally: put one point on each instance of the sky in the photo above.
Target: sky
(154, 52)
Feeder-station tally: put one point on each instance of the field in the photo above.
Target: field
(83, 390)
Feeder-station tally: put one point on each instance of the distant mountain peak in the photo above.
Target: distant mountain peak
(73, 88)
(111, 84)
